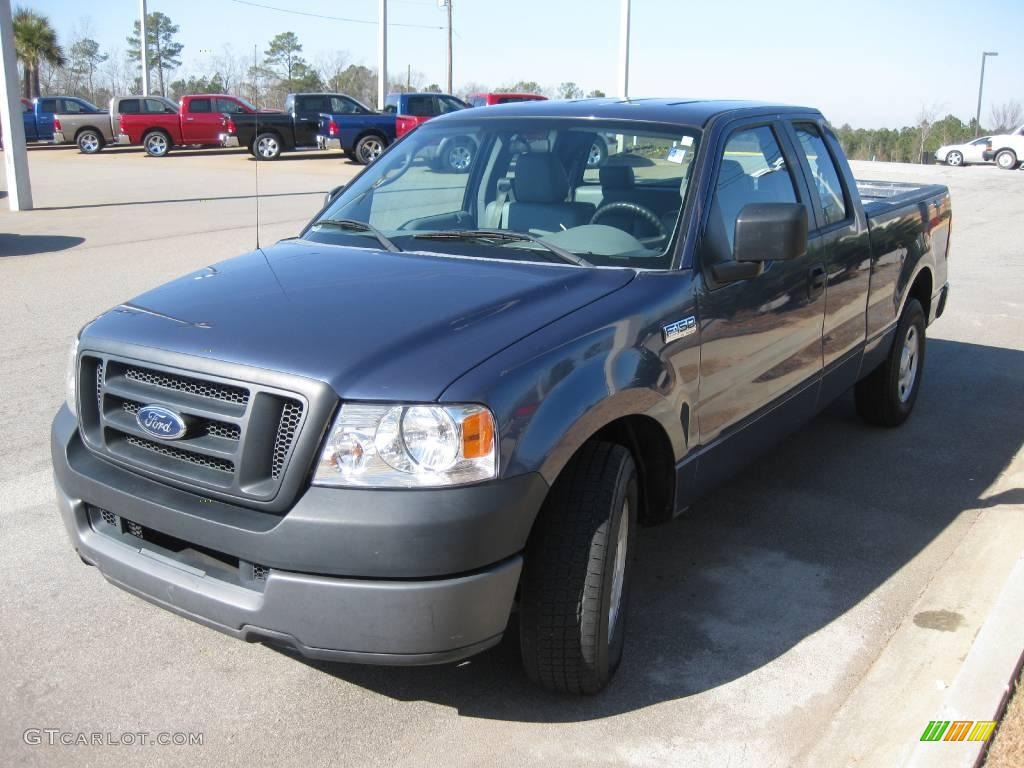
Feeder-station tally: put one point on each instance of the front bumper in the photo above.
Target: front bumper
(327, 142)
(344, 576)
(228, 140)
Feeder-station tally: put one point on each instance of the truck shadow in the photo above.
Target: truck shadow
(30, 245)
(780, 552)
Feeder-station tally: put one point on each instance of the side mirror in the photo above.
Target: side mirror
(331, 196)
(770, 232)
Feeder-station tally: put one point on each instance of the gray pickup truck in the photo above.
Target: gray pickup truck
(454, 397)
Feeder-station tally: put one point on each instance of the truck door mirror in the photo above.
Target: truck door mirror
(770, 232)
(331, 196)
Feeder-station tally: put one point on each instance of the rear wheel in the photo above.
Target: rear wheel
(156, 144)
(458, 156)
(955, 158)
(89, 142)
(1006, 159)
(267, 146)
(598, 154)
(368, 149)
(575, 585)
(887, 395)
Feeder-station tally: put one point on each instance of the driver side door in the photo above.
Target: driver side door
(761, 337)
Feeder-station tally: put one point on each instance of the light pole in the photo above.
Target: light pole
(624, 50)
(382, 56)
(142, 47)
(19, 190)
(981, 85)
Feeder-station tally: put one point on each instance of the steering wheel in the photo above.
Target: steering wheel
(641, 212)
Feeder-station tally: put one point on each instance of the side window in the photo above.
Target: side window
(155, 107)
(478, 101)
(449, 104)
(128, 107)
(307, 104)
(753, 170)
(69, 107)
(823, 170)
(340, 106)
(48, 105)
(421, 106)
(200, 106)
(229, 106)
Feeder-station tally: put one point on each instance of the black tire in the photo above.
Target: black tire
(1006, 159)
(266, 146)
(369, 148)
(156, 144)
(89, 141)
(883, 397)
(566, 590)
(955, 159)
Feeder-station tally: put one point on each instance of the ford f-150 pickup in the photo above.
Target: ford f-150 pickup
(452, 397)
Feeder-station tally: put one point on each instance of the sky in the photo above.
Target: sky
(870, 63)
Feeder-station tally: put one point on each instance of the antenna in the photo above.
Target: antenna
(256, 153)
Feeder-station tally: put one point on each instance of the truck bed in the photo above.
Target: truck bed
(881, 197)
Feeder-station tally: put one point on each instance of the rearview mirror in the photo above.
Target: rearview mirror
(770, 232)
(331, 196)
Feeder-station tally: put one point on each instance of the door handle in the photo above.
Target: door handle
(817, 278)
(189, 119)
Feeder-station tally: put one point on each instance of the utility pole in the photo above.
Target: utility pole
(408, 78)
(382, 56)
(19, 189)
(448, 3)
(981, 85)
(143, 46)
(624, 50)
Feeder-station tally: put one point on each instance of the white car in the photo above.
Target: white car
(963, 154)
(1007, 149)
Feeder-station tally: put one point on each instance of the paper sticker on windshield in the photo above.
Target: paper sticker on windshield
(687, 141)
(676, 155)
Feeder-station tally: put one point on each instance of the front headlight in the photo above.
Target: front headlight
(408, 446)
(70, 378)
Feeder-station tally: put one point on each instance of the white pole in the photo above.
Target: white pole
(624, 51)
(19, 188)
(449, 4)
(143, 47)
(382, 56)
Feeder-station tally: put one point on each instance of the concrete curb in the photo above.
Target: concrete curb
(981, 688)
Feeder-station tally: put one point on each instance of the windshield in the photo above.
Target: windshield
(610, 192)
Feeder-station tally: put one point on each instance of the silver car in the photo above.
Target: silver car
(963, 154)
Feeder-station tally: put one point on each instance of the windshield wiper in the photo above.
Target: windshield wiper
(504, 234)
(361, 226)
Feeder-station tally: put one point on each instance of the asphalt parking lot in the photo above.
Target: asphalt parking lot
(814, 611)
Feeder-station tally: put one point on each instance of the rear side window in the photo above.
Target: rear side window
(129, 107)
(200, 105)
(48, 105)
(421, 106)
(823, 170)
(305, 104)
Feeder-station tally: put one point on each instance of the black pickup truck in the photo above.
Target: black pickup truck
(268, 134)
(455, 396)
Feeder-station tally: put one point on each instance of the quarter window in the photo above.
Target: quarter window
(200, 105)
(823, 171)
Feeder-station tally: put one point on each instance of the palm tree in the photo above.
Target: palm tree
(35, 42)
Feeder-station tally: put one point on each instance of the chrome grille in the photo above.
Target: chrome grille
(240, 438)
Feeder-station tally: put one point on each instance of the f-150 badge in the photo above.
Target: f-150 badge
(679, 329)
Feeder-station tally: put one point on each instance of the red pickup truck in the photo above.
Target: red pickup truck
(198, 121)
(413, 109)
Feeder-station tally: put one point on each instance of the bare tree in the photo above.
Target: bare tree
(925, 120)
(331, 66)
(1007, 116)
(230, 68)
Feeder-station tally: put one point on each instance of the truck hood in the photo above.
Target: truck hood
(372, 324)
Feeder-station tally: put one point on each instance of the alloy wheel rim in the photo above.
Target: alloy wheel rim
(89, 142)
(268, 147)
(371, 150)
(955, 158)
(1004, 160)
(619, 569)
(156, 144)
(594, 158)
(908, 364)
(460, 158)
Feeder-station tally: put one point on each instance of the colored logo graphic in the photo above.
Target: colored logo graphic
(958, 730)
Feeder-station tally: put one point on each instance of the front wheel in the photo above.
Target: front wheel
(1006, 160)
(89, 142)
(887, 395)
(458, 156)
(368, 149)
(575, 584)
(954, 158)
(267, 146)
(598, 154)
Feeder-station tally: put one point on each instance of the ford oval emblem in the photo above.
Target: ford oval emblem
(161, 422)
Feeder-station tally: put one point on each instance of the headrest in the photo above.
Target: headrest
(731, 170)
(540, 178)
(617, 177)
